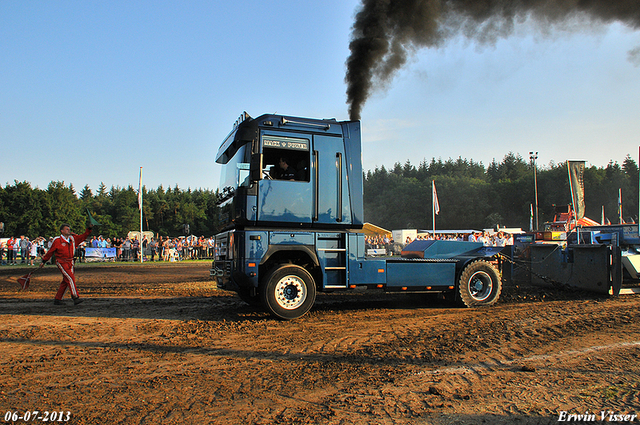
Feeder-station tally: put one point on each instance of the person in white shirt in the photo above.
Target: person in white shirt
(33, 252)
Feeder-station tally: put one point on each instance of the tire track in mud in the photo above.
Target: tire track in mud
(434, 339)
(493, 364)
(539, 329)
(554, 330)
(503, 388)
(550, 330)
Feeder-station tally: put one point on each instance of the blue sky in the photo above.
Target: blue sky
(90, 91)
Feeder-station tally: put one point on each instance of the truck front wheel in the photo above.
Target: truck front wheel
(479, 284)
(288, 291)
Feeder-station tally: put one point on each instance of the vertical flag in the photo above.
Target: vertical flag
(531, 219)
(140, 206)
(140, 191)
(436, 205)
(576, 184)
(602, 219)
(620, 220)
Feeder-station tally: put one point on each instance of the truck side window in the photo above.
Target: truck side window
(288, 163)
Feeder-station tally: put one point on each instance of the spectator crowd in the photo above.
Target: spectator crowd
(22, 250)
(387, 243)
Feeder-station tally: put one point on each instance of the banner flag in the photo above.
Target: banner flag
(100, 254)
(576, 184)
(436, 204)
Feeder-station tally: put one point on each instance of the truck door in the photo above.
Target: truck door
(285, 196)
(329, 181)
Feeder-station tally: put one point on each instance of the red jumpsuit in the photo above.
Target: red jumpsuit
(64, 250)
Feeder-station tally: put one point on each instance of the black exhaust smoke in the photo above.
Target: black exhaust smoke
(387, 32)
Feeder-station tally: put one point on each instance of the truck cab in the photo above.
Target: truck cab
(317, 190)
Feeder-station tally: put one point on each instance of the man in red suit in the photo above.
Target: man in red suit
(64, 246)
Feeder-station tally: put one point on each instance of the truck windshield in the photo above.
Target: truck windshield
(235, 173)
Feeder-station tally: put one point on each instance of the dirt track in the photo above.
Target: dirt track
(160, 345)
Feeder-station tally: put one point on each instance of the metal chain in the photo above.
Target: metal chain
(547, 279)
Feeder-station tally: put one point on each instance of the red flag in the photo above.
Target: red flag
(576, 184)
(24, 281)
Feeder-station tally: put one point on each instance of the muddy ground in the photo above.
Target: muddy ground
(161, 345)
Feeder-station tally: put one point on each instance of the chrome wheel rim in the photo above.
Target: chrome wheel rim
(290, 292)
(480, 286)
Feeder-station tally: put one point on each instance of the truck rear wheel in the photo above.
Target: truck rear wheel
(479, 284)
(288, 291)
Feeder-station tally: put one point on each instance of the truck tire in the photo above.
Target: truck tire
(479, 284)
(288, 291)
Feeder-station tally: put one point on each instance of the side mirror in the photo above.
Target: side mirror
(256, 167)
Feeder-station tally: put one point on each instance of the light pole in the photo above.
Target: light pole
(533, 156)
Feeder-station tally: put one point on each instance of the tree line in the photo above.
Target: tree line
(471, 196)
(39, 212)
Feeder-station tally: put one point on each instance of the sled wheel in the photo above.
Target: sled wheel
(288, 291)
(479, 284)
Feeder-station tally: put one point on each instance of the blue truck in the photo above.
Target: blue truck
(291, 214)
